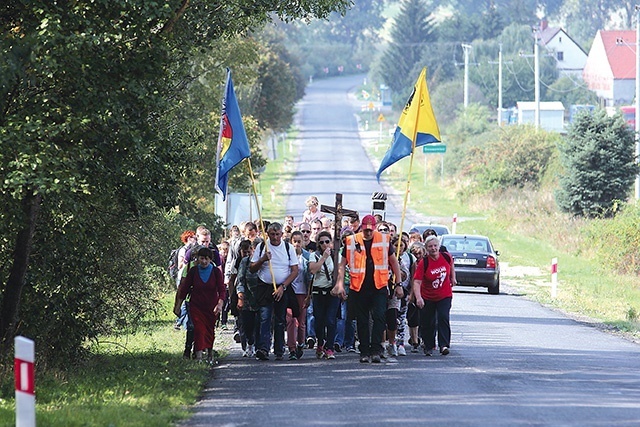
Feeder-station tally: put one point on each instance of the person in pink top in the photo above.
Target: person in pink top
(434, 277)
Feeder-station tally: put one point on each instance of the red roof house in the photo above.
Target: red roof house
(611, 67)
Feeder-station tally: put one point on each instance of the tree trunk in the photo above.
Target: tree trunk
(21, 254)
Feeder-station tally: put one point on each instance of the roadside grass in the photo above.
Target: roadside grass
(132, 380)
(277, 175)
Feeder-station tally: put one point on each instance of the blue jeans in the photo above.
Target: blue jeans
(325, 310)
(370, 303)
(264, 330)
(277, 310)
(311, 330)
(345, 329)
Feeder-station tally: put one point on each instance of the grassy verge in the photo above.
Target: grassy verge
(132, 380)
(277, 175)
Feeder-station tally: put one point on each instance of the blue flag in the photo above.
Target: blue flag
(233, 145)
(417, 125)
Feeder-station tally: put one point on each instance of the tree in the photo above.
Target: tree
(599, 165)
(412, 31)
(95, 147)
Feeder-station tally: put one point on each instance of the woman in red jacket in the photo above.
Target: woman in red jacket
(432, 285)
(207, 292)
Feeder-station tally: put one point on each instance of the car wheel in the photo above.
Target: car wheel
(495, 288)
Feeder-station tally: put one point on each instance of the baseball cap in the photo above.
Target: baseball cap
(368, 222)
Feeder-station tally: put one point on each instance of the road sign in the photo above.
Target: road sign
(381, 118)
(370, 105)
(434, 148)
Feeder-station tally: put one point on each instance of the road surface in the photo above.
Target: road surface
(512, 362)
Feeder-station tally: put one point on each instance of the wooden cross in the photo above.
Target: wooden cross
(338, 211)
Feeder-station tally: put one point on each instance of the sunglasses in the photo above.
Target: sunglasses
(324, 242)
(305, 231)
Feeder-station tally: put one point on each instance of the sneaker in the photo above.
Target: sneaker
(245, 353)
(292, 355)
(401, 351)
(337, 348)
(415, 348)
(393, 350)
(444, 351)
(262, 355)
(236, 337)
(365, 359)
(177, 325)
(251, 351)
(279, 356)
(375, 358)
(319, 352)
(428, 352)
(311, 342)
(328, 353)
(299, 351)
(351, 349)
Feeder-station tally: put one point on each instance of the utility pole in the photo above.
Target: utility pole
(536, 61)
(466, 48)
(500, 63)
(637, 98)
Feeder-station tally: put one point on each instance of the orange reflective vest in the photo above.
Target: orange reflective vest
(357, 260)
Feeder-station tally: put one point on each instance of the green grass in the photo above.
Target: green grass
(133, 380)
(279, 173)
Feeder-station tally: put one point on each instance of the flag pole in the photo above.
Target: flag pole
(406, 193)
(264, 232)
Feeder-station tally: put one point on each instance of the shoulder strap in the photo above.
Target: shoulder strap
(286, 246)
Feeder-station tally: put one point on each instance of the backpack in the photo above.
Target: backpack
(425, 260)
(173, 263)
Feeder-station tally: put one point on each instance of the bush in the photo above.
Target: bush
(514, 156)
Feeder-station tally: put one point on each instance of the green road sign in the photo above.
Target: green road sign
(434, 148)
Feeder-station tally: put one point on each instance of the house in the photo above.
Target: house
(570, 56)
(551, 115)
(611, 67)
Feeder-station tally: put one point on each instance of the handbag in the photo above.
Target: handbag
(263, 293)
(292, 301)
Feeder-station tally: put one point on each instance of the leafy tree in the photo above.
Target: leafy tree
(599, 165)
(412, 31)
(95, 148)
(571, 90)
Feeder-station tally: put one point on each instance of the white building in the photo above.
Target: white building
(551, 115)
(569, 55)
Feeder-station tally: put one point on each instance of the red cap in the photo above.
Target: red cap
(368, 222)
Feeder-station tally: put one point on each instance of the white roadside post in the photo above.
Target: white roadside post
(273, 193)
(25, 382)
(554, 277)
(454, 223)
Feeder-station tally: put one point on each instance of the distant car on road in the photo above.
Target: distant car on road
(475, 260)
(438, 228)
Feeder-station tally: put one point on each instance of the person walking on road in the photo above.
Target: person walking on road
(432, 288)
(325, 305)
(276, 262)
(369, 257)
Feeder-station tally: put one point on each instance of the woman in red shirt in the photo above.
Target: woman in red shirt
(432, 290)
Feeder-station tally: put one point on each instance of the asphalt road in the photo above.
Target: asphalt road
(512, 362)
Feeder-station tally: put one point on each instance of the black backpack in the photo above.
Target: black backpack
(173, 263)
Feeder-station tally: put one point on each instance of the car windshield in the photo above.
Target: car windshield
(464, 244)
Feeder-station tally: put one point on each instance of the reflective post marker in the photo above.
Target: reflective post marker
(554, 277)
(25, 382)
(454, 223)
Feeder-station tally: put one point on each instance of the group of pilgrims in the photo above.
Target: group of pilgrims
(388, 295)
